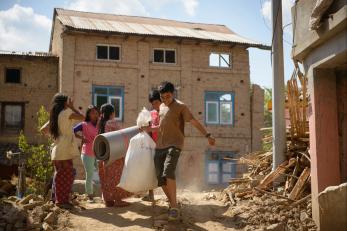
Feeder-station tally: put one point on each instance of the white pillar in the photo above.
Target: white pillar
(278, 90)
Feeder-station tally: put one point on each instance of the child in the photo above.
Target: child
(62, 116)
(154, 99)
(89, 132)
(110, 175)
(173, 116)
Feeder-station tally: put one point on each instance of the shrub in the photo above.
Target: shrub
(39, 164)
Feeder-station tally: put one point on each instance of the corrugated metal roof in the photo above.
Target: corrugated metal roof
(22, 53)
(129, 25)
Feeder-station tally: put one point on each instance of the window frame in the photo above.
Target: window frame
(108, 52)
(206, 117)
(120, 106)
(109, 97)
(165, 49)
(20, 75)
(219, 102)
(219, 60)
(2, 119)
(220, 163)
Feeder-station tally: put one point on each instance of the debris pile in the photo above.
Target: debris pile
(272, 199)
(278, 199)
(31, 213)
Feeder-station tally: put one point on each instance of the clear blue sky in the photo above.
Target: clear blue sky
(25, 24)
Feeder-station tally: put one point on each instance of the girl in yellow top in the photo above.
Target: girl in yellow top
(60, 126)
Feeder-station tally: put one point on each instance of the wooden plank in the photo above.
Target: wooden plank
(300, 184)
(271, 177)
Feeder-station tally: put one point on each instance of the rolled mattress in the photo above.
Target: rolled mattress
(112, 146)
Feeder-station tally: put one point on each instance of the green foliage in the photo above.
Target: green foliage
(39, 162)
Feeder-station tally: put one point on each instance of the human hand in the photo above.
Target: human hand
(211, 141)
(70, 103)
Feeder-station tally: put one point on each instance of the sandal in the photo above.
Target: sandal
(174, 214)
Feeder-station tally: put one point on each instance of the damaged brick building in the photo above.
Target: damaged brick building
(101, 58)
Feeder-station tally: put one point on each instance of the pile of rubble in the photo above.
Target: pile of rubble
(273, 200)
(31, 213)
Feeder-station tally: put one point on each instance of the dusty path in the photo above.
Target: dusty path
(198, 214)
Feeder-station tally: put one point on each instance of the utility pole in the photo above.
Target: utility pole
(278, 100)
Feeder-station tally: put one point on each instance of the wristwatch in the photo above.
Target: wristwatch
(208, 135)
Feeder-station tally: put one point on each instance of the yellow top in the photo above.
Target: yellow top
(65, 147)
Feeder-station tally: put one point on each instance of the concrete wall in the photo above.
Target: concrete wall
(323, 53)
(137, 73)
(38, 84)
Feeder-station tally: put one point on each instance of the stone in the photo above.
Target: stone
(47, 227)
(32, 205)
(303, 216)
(50, 218)
(333, 211)
(276, 227)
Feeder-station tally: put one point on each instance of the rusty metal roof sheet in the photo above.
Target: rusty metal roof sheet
(129, 25)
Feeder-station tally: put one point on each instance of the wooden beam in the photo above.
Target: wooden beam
(300, 184)
(271, 177)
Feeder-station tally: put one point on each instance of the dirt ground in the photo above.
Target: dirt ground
(198, 213)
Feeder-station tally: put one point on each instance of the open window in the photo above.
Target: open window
(167, 56)
(12, 75)
(221, 60)
(108, 52)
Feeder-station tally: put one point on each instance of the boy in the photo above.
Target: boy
(154, 99)
(173, 115)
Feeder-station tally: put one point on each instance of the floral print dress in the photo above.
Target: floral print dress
(110, 175)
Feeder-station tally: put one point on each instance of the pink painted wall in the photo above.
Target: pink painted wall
(324, 140)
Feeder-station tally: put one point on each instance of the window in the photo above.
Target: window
(12, 75)
(219, 108)
(220, 167)
(164, 56)
(220, 60)
(106, 52)
(12, 117)
(109, 94)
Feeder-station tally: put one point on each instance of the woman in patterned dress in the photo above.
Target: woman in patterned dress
(110, 175)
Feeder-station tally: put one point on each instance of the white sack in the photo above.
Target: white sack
(139, 171)
(144, 118)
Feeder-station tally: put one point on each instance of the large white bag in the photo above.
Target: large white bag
(139, 171)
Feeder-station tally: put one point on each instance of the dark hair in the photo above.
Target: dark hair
(89, 109)
(106, 110)
(166, 87)
(154, 95)
(57, 105)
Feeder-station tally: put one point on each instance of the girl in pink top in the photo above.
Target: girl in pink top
(89, 131)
